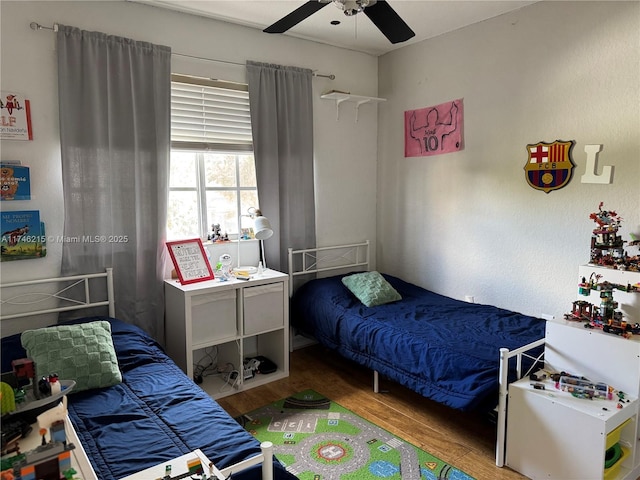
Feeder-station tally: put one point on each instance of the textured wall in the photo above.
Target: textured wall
(467, 223)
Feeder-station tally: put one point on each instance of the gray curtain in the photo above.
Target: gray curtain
(281, 104)
(114, 96)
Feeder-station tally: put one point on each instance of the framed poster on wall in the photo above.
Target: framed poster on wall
(190, 261)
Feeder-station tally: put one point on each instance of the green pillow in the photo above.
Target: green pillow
(371, 288)
(82, 352)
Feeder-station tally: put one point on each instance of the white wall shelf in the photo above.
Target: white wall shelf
(347, 97)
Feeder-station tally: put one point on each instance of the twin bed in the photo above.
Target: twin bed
(155, 413)
(459, 354)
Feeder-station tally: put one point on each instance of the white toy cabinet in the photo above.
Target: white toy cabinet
(225, 323)
(554, 435)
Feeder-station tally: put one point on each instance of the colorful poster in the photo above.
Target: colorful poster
(15, 183)
(22, 235)
(15, 116)
(434, 130)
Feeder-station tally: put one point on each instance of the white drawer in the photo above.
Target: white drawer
(213, 316)
(263, 308)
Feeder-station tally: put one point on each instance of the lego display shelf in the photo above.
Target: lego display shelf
(33, 403)
(554, 435)
(628, 301)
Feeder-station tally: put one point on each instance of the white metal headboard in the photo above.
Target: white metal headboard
(325, 259)
(26, 300)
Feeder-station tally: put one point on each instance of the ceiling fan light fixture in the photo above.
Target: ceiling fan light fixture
(383, 16)
(353, 7)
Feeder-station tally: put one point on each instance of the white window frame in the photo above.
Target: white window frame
(201, 131)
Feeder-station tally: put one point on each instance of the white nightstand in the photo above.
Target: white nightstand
(225, 323)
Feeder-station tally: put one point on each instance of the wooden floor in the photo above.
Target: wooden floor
(465, 441)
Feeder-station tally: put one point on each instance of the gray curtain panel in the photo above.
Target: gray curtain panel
(114, 96)
(281, 104)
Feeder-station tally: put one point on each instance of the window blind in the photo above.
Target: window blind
(210, 115)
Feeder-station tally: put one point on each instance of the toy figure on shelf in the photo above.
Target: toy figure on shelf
(607, 247)
(216, 234)
(581, 311)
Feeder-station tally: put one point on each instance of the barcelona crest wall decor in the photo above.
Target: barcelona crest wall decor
(549, 165)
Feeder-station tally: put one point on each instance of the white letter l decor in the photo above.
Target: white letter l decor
(590, 174)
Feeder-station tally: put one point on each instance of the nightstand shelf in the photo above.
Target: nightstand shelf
(216, 326)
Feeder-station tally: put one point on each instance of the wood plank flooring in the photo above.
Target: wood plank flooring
(466, 441)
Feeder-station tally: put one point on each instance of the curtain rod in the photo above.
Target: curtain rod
(37, 26)
(54, 28)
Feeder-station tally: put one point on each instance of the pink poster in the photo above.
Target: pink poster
(434, 130)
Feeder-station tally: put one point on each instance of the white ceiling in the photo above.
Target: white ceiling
(427, 18)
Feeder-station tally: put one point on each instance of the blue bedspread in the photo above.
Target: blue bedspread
(444, 349)
(157, 413)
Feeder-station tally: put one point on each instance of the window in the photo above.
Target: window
(212, 174)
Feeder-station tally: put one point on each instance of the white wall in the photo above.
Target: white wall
(345, 152)
(467, 223)
(463, 223)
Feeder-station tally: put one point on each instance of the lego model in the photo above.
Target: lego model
(606, 251)
(194, 467)
(51, 459)
(607, 247)
(603, 316)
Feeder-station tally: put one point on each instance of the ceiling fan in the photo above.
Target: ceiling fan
(379, 12)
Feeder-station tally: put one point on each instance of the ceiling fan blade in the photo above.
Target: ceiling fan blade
(295, 17)
(389, 22)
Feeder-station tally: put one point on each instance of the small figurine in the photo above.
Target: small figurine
(44, 387)
(223, 268)
(215, 233)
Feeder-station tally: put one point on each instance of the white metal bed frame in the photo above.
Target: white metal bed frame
(356, 256)
(26, 298)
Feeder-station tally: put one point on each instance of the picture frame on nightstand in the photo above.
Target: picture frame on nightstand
(190, 261)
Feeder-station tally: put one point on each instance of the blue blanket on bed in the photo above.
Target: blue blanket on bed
(157, 413)
(444, 349)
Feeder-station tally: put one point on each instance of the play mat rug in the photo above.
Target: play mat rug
(317, 439)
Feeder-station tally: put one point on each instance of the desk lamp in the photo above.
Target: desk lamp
(262, 231)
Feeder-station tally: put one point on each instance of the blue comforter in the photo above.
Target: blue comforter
(444, 349)
(157, 413)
